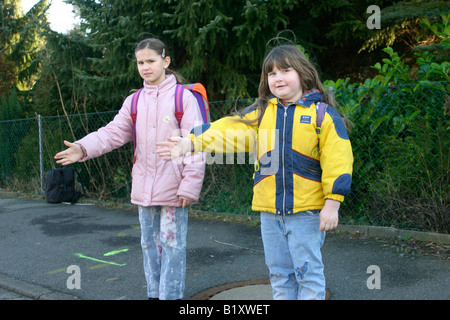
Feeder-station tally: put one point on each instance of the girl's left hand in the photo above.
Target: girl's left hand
(329, 217)
(185, 202)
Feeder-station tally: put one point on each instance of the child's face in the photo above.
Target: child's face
(285, 84)
(151, 66)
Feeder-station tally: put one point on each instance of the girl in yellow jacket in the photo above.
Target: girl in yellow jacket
(301, 177)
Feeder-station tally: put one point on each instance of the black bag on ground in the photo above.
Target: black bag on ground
(60, 185)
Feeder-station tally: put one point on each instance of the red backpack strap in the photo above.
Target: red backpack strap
(179, 90)
(133, 113)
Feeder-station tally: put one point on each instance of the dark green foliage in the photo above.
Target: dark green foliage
(401, 140)
(396, 96)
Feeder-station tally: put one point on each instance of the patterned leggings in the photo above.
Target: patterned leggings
(163, 242)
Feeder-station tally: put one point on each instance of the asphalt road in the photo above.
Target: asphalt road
(42, 244)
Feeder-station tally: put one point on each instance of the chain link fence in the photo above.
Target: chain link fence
(399, 135)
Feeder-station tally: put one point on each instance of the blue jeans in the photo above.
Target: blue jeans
(292, 247)
(163, 242)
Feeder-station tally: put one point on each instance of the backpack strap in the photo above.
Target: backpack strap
(199, 92)
(179, 90)
(133, 113)
(63, 182)
(321, 109)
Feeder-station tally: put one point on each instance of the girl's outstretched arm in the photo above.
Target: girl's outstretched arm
(73, 154)
(174, 147)
(231, 134)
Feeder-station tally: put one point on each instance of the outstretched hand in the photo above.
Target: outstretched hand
(174, 147)
(73, 154)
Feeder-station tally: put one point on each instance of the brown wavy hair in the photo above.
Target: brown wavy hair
(283, 57)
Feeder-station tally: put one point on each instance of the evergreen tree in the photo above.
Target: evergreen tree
(11, 109)
(213, 42)
(63, 85)
(10, 133)
(226, 43)
(20, 45)
(401, 24)
(218, 43)
(111, 30)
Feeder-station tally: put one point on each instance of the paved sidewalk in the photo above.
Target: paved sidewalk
(9, 295)
(40, 243)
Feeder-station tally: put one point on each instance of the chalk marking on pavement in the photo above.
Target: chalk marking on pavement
(235, 246)
(79, 255)
(98, 266)
(56, 271)
(111, 253)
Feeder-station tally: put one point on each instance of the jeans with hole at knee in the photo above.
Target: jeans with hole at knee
(292, 248)
(163, 242)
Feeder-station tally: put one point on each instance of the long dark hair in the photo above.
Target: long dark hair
(158, 46)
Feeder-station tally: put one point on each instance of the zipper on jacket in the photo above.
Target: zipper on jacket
(282, 159)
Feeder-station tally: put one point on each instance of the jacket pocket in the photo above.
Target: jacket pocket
(177, 168)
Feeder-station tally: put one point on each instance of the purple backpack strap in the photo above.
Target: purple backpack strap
(179, 103)
(321, 109)
(133, 113)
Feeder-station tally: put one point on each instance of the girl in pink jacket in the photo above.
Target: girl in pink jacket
(161, 189)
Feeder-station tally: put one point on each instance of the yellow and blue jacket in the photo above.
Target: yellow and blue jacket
(295, 170)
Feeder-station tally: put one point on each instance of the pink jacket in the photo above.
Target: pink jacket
(155, 182)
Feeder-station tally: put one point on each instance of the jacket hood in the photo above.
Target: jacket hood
(312, 96)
